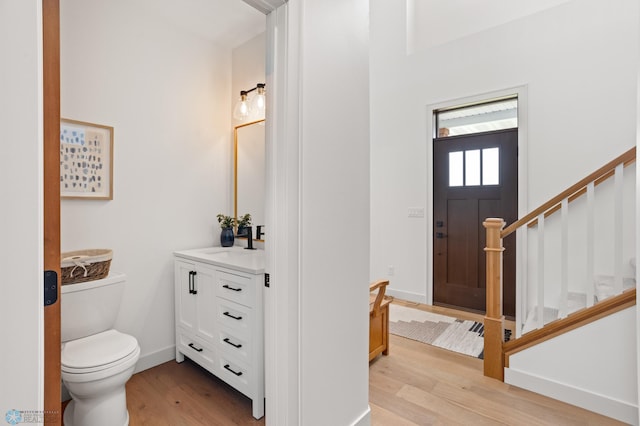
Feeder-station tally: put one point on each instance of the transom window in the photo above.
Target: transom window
(485, 117)
(475, 167)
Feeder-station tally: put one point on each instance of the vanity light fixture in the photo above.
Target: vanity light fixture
(243, 110)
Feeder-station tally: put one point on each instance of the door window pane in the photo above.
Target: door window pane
(456, 168)
(472, 167)
(491, 166)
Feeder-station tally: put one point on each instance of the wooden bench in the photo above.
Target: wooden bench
(378, 320)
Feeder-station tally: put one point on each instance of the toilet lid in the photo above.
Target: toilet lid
(97, 350)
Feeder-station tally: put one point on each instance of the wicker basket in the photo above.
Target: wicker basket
(85, 265)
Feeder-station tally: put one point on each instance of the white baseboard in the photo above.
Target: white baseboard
(619, 410)
(155, 358)
(406, 295)
(364, 419)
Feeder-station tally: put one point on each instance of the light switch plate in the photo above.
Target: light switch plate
(416, 212)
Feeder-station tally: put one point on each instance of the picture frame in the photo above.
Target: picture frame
(86, 160)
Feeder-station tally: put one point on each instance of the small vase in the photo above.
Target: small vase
(226, 237)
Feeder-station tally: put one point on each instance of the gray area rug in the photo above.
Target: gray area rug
(462, 336)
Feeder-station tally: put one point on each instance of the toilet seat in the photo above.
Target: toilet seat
(106, 350)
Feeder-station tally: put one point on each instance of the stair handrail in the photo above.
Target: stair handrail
(494, 358)
(579, 188)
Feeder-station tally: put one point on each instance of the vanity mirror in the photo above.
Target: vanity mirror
(249, 173)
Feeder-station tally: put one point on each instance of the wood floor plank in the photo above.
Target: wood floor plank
(402, 408)
(448, 412)
(383, 417)
(488, 408)
(549, 413)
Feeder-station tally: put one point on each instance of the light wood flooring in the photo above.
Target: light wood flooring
(416, 384)
(185, 394)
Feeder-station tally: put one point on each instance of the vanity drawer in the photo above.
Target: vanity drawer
(236, 287)
(234, 346)
(195, 350)
(236, 318)
(237, 374)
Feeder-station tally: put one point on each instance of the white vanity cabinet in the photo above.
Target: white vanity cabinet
(219, 316)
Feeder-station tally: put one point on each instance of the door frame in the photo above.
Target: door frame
(522, 94)
(51, 203)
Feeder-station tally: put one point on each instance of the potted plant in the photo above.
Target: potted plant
(226, 236)
(243, 222)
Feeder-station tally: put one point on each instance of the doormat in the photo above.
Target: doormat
(462, 336)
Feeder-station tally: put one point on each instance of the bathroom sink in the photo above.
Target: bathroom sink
(229, 254)
(238, 258)
(214, 250)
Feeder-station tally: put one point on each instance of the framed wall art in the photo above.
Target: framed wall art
(86, 160)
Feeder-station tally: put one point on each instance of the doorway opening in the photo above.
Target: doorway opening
(475, 176)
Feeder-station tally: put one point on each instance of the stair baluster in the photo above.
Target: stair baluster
(496, 351)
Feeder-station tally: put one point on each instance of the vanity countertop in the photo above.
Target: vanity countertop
(238, 258)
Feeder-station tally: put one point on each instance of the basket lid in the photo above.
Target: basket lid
(97, 350)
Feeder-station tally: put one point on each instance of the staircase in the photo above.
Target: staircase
(604, 289)
(576, 274)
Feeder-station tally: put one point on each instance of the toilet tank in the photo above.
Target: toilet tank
(90, 307)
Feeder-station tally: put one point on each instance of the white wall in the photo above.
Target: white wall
(167, 95)
(579, 367)
(318, 186)
(578, 62)
(21, 232)
(334, 209)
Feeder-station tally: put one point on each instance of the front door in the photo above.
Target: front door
(475, 177)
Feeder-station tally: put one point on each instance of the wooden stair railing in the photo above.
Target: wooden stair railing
(494, 345)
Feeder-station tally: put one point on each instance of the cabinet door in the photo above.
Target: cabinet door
(205, 280)
(185, 297)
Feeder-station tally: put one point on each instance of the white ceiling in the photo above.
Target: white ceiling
(266, 6)
(226, 22)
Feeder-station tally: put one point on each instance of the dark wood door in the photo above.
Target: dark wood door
(475, 177)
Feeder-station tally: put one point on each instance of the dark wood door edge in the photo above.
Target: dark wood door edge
(51, 184)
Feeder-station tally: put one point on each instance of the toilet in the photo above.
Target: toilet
(96, 360)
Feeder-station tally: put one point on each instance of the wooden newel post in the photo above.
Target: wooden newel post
(494, 320)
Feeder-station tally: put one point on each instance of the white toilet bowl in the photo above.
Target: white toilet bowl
(96, 360)
(95, 370)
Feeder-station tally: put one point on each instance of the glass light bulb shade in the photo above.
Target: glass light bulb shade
(258, 102)
(241, 110)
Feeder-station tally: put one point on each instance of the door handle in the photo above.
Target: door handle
(192, 346)
(237, 373)
(50, 287)
(192, 282)
(237, 346)
(440, 235)
(232, 316)
(228, 287)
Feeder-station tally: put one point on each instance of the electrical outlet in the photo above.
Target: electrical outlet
(416, 212)
(390, 270)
